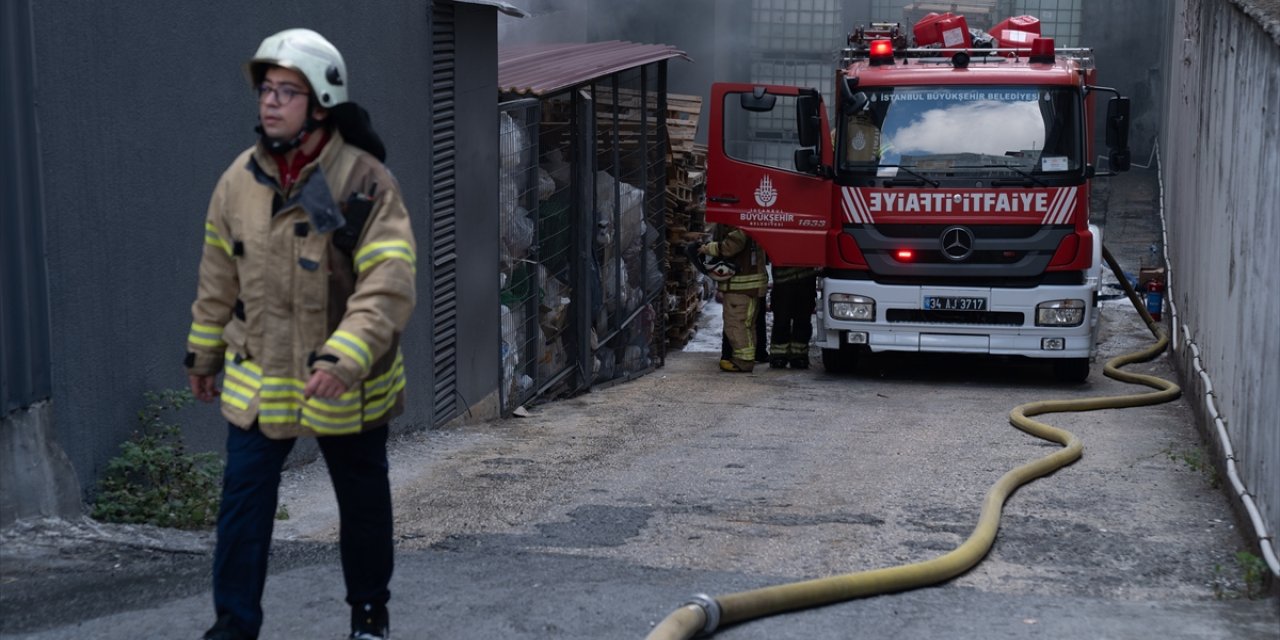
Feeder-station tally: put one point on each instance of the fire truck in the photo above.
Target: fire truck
(948, 206)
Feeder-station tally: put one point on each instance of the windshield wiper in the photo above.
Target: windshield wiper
(897, 181)
(997, 182)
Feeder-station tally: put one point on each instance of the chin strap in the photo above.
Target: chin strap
(279, 146)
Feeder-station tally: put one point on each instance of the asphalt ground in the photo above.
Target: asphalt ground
(596, 516)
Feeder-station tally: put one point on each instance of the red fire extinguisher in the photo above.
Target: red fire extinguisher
(1155, 298)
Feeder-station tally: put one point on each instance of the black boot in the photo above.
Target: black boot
(370, 622)
(223, 629)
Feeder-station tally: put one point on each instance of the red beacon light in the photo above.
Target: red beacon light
(881, 52)
(1042, 50)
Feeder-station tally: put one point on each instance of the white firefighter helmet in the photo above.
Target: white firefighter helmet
(308, 53)
(717, 269)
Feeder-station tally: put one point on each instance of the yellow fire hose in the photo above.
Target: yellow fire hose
(703, 614)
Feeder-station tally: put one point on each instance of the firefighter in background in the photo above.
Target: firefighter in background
(792, 300)
(742, 293)
(762, 337)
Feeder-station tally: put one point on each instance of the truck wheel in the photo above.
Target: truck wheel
(1074, 370)
(839, 360)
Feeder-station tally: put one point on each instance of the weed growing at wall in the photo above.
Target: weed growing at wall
(1251, 583)
(155, 480)
(1253, 568)
(1197, 460)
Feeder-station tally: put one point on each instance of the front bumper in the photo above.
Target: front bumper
(898, 323)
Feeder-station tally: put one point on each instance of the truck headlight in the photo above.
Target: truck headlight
(1060, 313)
(845, 306)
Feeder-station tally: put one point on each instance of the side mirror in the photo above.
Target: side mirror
(808, 161)
(758, 100)
(1118, 133)
(858, 102)
(1118, 123)
(809, 119)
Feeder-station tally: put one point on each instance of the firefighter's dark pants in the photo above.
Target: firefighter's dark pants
(792, 303)
(250, 488)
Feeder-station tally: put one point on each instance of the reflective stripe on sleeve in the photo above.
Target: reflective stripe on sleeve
(349, 344)
(211, 236)
(205, 335)
(376, 252)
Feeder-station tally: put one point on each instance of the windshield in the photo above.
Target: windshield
(989, 131)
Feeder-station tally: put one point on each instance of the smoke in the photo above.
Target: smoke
(773, 41)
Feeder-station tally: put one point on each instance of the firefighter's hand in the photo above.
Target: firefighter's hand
(323, 385)
(204, 388)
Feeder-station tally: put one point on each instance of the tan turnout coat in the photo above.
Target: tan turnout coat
(277, 299)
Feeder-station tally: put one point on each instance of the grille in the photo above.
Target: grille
(989, 318)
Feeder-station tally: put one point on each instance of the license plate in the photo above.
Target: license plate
(954, 303)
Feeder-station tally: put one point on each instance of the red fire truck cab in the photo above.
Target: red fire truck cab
(948, 206)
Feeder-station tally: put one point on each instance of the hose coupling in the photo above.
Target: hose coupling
(710, 611)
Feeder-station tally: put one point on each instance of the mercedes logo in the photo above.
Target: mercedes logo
(957, 243)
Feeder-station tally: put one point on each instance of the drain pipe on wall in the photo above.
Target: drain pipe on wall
(1219, 425)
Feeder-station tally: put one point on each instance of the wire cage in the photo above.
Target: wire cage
(582, 208)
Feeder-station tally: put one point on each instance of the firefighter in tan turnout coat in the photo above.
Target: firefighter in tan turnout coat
(742, 293)
(306, 281)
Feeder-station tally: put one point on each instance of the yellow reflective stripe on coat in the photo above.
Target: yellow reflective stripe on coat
(754, 281)
(376, 252)
(282, 400)
(327, 422)
(349, 344)
(283, 403)
(241, 382)
(378, 386)
(211, 236)
(205, 335)
(382, 392)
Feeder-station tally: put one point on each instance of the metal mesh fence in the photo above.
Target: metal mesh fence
(520, 264)
(582, 206)
(629, 216)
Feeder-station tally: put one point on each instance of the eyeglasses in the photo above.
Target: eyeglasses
(284, 93)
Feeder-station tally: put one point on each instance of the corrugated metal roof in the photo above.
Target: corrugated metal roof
(505, 7)
(540, 69)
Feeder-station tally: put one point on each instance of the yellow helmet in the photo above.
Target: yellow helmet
(308, 53)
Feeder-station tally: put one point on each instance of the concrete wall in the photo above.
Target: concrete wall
(37, 477)
(1220, 149)
(139, 108)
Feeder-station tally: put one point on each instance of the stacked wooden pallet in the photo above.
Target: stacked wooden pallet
(682, 127)
(685, 216)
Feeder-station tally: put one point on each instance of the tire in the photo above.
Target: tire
(839, 360)
(1072, 370)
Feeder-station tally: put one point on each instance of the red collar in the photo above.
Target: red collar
(289, 170)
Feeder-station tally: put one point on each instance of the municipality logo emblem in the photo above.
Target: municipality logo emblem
(859, 141)
(766, 195)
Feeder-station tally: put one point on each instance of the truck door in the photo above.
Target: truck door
(768, 150)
